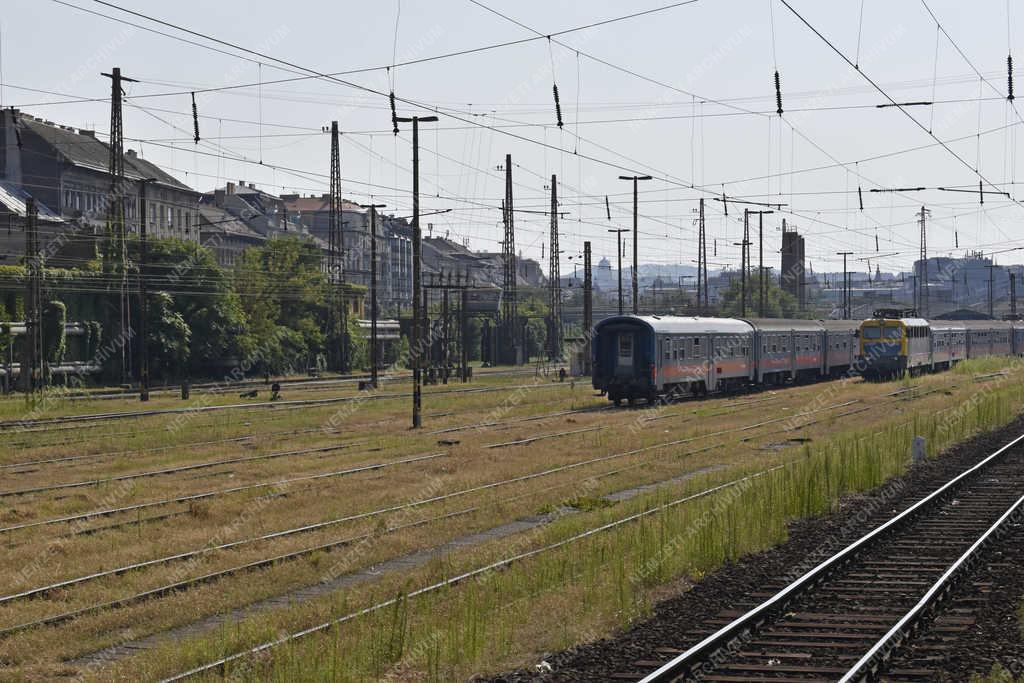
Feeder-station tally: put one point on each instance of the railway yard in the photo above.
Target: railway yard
(528, 530)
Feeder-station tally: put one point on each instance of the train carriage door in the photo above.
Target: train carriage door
(710, 371)
(794, 341)
(931, 347)
(625, 353)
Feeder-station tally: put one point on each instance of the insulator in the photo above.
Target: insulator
(725, 204)
(860, 197)
(956, 238)
(1009, 77)
(778, 94)
(195, 118)
(558, 105)
(876, 242)
(607, 208)
(981, 192)
(394, 114)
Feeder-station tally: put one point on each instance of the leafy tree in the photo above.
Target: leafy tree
(201, 295)
(778, 304)
(169, 337)
(283, 295)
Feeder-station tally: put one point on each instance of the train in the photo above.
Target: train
(895, 343)
(655, 357)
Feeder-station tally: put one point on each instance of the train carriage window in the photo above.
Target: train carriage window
(667, 345)
(625, 346)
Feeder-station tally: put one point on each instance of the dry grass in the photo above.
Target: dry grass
(381, 424)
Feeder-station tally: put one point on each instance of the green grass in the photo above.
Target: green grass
(609, 580)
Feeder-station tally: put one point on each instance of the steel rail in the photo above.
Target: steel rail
(220, 663)
(868, 665)
(297, 403)
(161, 591)
(698, 653)
(180, 468)
(665, 444)
(219, 492)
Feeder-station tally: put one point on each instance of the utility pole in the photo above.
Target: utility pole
(588, 308)
(509, 306)
(32, 370)
(143, 292)
(555, 280)
(618, 237)
(846, 285)
(762, 286)
(115, 212)
(702, 261)
(374, 350)
(337, 313)
(636, 241)
(416, 348)
(464, 331)
(922, 279)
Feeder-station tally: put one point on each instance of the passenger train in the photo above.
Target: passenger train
(652, 357)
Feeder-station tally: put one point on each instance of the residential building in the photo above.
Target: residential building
(67, 170)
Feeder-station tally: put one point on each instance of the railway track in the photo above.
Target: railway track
(842, 619)
(66, 420)
(182, 584)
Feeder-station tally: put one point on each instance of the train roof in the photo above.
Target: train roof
(840, 325)
(945, 325)
(986, 324)
(786, 324)
(677, 324)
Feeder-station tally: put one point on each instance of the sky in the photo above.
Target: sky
(684, 93)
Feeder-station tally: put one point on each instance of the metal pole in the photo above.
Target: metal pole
(374, 350)
(416, 347)
(143, 294)
(618, 236)
(846, 285)
(636, 241)
(464, 333)
(588, 308)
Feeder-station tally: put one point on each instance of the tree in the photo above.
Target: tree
(778, 304)
(169, 337)
(200, 295)
(283, 291)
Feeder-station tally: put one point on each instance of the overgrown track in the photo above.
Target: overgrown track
(64, 421)
(842, 619)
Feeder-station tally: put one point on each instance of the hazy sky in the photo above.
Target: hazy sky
(698, 108)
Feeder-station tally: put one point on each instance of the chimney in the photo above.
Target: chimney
(131, 154)
(218, 198)
(87, 133)
(252, 186)
(230, 188)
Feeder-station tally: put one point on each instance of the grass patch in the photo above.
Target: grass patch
(608, 580)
